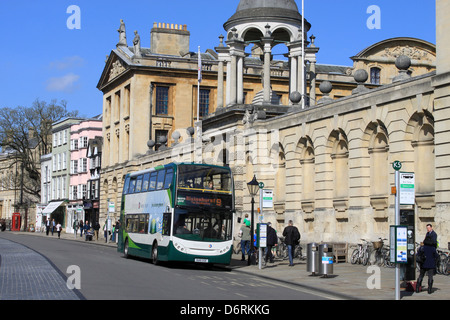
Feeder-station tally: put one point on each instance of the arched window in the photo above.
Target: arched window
(424, 159)
(378, 151)
(280, 178)
(340, 164)
(307, 162)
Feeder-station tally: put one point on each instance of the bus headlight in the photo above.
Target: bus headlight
(179, 247)
(225, 250)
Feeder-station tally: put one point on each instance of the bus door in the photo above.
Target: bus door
(167, 223)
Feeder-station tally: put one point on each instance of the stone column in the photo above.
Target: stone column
(240, 80)
(295, 77)
(233, 97)
(222, 56)
(312, 77)
(237, 53)
(220, 85)
(301, 76)
(267, 42)
(228, 87)
(292, 76)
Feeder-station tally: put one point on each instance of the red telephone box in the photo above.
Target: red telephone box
(15, 226)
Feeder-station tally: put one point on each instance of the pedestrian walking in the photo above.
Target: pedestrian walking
(53, 225)
(58, 230)
(47, 226)
(113, 234)
(428, 266)
(75, 227)
(432, 234)
(272, 241)
(105, 232)
(81, 228)
(96, 229)
(87, 227)
(244, 234)
(291, 238)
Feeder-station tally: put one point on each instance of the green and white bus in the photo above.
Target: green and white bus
(178, 212)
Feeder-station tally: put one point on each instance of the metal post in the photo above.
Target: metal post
(252, 247)
(397, 222)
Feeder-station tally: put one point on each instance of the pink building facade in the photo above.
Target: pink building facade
(80, 134)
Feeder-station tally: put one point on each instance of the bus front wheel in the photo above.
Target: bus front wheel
(155, 253)
(125, 249)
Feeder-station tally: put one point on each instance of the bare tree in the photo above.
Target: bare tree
(26, 135)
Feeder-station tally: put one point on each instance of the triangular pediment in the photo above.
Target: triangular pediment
(115, 66)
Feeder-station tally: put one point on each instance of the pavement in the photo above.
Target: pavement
(347, 281)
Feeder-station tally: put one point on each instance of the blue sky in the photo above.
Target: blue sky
(41, 58)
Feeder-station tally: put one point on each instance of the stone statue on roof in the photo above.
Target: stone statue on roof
(137, 45)
(122, 34)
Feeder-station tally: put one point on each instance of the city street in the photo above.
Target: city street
(106, 275)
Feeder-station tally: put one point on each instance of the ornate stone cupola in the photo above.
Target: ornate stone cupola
(265, 24)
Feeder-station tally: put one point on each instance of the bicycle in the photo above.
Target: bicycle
(387, 258)
(282, 252)
(381, 254)
(442, 262)
(361, 254)
(446, 265)
(417, 247)
(237, 247)
(298, 253)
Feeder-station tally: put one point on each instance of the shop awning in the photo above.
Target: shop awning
(52, 207)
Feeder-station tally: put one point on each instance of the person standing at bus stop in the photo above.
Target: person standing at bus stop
(272, 240)
(432, 235)
(245, 235)
(429, 264)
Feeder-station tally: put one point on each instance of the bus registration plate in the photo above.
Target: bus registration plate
(201, 260)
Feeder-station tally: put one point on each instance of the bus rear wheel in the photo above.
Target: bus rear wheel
(155, 253)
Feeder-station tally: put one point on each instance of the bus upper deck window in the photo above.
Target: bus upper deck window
(160, 181)
(127, 185)
(132, 185)
(152, 184)
(145, 182)
(169, 178)
(138, 184)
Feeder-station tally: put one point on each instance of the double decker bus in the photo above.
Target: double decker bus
(178, 212)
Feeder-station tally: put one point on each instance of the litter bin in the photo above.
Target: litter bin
(312, 258)
(326, 259)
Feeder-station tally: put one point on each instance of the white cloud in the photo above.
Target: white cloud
(65, 83)
(67, 63)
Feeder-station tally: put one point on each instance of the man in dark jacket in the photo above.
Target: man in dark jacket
(291, 238)
(272, 240)
(432, 234)
(429, 264)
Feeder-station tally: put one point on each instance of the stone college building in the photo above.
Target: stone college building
(326, 154)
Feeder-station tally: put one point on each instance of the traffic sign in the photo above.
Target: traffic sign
(261, 185)
(397, 165)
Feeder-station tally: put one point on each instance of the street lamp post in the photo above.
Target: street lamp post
(253, 188)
